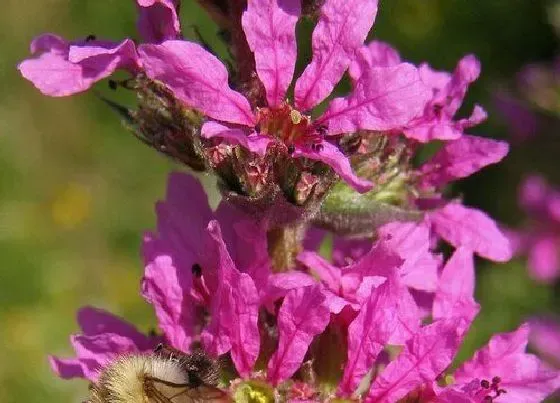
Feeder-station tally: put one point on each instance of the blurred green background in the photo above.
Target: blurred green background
(77, 190)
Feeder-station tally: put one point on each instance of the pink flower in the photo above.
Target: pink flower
(61, 68)
(513, 375)
(335, 323)
(462, 226)
(502, 371)
(540, 239)
(448, 90)
(544, 338)
(383, 99)
(104, 338)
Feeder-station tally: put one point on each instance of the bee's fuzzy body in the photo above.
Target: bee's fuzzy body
(125, 379)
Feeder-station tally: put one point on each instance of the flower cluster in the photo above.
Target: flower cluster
(317, 331)
(539, 239)
(383, 319)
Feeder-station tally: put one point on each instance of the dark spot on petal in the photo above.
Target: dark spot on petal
(196, 270)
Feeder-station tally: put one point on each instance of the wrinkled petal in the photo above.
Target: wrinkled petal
(466, 72)
(48, 43)
(544, 258)
(523, 376)
(94, 321)
(455, 294)
(374, 54)
(63, 69)
(320, 267)
(303, 315)
(333, 157)
(197, 78)
(242, 321)
(448, 93)
(388, 309)
(423, 359)
(182, 221)
(66, 368)
(471, 228)
(158, 20)
(94, 352)
(411, 241)
(461, 158)
(383, 98)
(342, 28)
(252, 142)
(216, 336)
(280, 284)
(270, 28)
(162, 289)
(246, 241)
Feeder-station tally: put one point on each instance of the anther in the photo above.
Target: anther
(496, 380)
(317, 147)
(485, 384)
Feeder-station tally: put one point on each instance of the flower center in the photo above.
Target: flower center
(491, 389)
(290, 126)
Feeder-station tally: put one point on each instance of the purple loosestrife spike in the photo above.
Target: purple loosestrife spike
(208, 277)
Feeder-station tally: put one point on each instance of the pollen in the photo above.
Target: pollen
(296, 117)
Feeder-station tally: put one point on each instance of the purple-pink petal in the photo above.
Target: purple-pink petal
(423, 359)
(197, 78)
(48, 43)
(94, 352)
(216, 336)
(342, 28)
(94, 321)
(270, 28)
(374, 54)
(383, 98)
(523, 376)
(332, 156)
(544, 338)
(320, 267)
(251, 141)
(158, 20)
(411, 241)
(471, 228)
(62, 68)
(66, 368)
(279, 284)
(461, 158)
(304, 314)
(241, 318)
(163, 290)
(544, 258)
(455, 294)
(385, 313)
